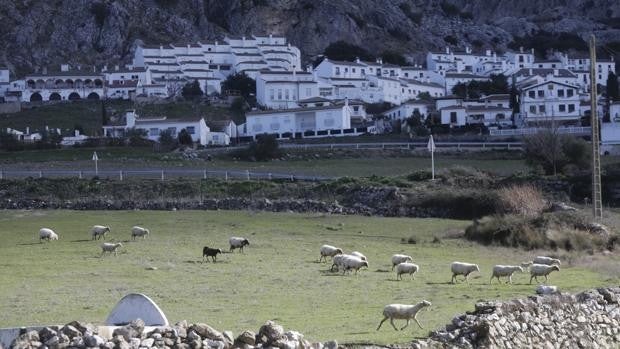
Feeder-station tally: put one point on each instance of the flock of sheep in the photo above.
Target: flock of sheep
(97, 232)
(540, 266)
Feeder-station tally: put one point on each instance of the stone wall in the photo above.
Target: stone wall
(589, 319)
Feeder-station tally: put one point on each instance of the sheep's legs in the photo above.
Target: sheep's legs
(381, 323)
(546, 279)
(418, 322)
(407, 324)
(392, 322)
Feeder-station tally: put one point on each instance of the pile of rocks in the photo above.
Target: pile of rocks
(589, 319)
(76, 335)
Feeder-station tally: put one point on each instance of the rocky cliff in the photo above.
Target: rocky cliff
(40, 33)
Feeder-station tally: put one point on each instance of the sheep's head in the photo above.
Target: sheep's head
(119, 245)
(339, 251)
(555, 267)
(520, 269)
(527, 264)
(107, 229)
(556, 261)
(476, 268)
(426, 303)
(245, 242)
(365, 264)
(218, 251)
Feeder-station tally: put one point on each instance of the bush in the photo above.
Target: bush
(185, 138)
(136, 137)
(556, 153)
(265, 147)
(525, 200)
(192, 90)
(166, 139)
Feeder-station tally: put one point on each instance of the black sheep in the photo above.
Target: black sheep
(210, 252)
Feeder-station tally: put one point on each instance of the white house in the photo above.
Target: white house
(550, 101)
(221, 132)
(408, 108)
(299, 122)
(63, 85)
(282, 90)
(154, 126)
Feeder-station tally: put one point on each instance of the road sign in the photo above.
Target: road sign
(95, 157)
(431, 147)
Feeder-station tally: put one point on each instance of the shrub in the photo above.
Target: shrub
(136, 137)
(264, 148)
(525, 200)
(192, 90)
(166, 139)
(185, 138)
(554, 152)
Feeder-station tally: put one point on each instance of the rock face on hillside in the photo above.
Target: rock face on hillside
(40, 33)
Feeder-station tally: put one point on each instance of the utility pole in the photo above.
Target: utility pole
(597, 201)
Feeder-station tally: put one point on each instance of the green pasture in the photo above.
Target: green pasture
(278, 277)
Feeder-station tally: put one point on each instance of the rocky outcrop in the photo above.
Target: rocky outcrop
(38, 33)
(589, 319)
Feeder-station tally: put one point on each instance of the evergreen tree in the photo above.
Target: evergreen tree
(192, 90)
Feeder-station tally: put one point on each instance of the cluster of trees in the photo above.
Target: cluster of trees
(344, 51)
(498, 84)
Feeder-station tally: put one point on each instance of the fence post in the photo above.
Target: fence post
(80, 174)
(204, 174)
(382, 145)
(1, 174)
(357, 145)
(120, 173)
(484, 145)
(292, 178)
(269, 176)
(162, 175)
(40, 174)
(247, 174)
(226, 176)
(331, 146)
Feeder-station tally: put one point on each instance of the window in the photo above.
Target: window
(346, 70)
(569, 92)
(356, 108)
(363, 71)
(532, 94)
(279, 94)
(571, 108)
(550, 87)
(337, 70)
(533, 109)
(453, 117)
(562, 107)
(154, 132)
(173, 131)
(271, 94)
(541, 93)
(286, 94)
(191, 130)
(560, 93)
(353, 70)
(520, 59)
(541, 108)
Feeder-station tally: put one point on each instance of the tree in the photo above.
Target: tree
(612, 87)
(237, 108)
(192, 90)
(166, 139)
(393, 57)
(555, 152)
(264, 148)
(136, 136)
(425, 96)
(240, 82)
(185, 138)
(514, 102)
(344, 51)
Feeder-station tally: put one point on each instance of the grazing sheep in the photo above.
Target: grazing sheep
(329, 251)
(337, 262)
(352, 262)
(98, 231)
(537, 270)
(210, 252)
(139, 231)
(526, 265)
(360, 255)
(110, 247)
(546, 260)
(400, 258)
(406, 268)
(237, 242)
(505, 270)
(47, 234)
(459, 268)
(403, 311)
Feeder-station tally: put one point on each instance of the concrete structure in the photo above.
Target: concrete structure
(134, 306)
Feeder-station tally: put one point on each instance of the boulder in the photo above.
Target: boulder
(270, 332)
(246, 337)
(70, 331)
(47, 333)
(206, 331)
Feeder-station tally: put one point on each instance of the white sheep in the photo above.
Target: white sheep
(526, 265)
(406, 268)
(359, 254)
(110, 247)
(505, 270)
(537, 270)
(237, 242)
(400, 258)
(546, 260)
(352, 262)
(97, 231)
(47, 234)
(403, 311)
(337, 261)
(460, 268)
(329, 251)
(139, 231)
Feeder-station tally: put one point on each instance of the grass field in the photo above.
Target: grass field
(278, 277)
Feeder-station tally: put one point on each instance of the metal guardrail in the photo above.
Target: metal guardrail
(163, 175)
(406, 145)
(534, 130)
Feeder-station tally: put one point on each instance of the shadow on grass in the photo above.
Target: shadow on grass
(83, 240)
(30, 244)
(441, 283)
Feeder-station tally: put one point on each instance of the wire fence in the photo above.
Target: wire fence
(163, 174)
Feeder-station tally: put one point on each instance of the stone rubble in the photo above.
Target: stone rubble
(590, 319)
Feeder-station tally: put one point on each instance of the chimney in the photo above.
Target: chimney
(488, 52)
(531, 72)
(27, 130)
(532, 52)
(380, 60)
(467, 49)
(357, 60)
(555, 72)
(271, 39)
(447, 50)
(309, 68)
(116, 68)
(64, 67)
(521, 49)
(76, 133)
(130, 118)
(243, 40)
